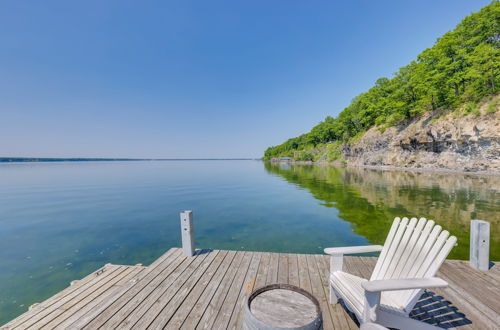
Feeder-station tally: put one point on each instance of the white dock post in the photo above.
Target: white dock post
(480, 244)
(187, 233)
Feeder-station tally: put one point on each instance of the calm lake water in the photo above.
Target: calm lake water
(61, 221)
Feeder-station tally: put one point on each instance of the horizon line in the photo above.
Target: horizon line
(75, 159)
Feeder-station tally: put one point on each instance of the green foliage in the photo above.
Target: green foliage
(462, 67)
(472, 108)
(493, 106)
(436, 118)
(304, 155)
(394, 119)
(287, 149)
(333, 151)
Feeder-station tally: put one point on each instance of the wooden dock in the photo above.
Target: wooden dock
(207, 291)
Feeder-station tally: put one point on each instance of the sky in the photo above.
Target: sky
(195, 79)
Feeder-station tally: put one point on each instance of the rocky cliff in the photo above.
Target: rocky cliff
(437, 140)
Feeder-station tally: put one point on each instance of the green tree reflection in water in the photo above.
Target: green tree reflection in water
(369, 199)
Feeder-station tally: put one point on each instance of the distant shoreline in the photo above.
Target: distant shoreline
(46, 160)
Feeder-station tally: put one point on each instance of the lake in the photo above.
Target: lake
(60, 221)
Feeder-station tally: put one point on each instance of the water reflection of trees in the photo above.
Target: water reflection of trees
(370, 199)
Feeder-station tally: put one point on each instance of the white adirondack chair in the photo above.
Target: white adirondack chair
(411, 256)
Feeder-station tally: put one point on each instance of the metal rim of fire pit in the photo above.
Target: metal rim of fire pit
(314, 324)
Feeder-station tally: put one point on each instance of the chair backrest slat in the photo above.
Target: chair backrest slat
(431, 256)
(417, 249)
(424, 267)
(441, 257)
(391, 250)
(402, 247)
(387, 244)
(422, 256)
(410, 248)
(413, 295)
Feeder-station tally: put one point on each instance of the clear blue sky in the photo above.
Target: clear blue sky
(194, 79)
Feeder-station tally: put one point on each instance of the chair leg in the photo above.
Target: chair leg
(333, 296)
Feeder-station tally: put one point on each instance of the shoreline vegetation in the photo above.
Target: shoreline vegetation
(448, 85)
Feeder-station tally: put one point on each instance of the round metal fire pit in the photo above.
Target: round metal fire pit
(282, 306)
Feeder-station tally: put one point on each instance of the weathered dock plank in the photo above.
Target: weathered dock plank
(293, 270)
(103, 298)
(77, 299)
(217, 300)
(318, 291)
(261, 277)
(164, 307)
(272, 273)
(194, 296)
(75, 305)
(339, 318)
(208, 291)
(222, 319)
(152, 302)
(304, 280)
(245, 291)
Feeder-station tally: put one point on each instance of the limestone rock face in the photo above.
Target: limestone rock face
(464, 143)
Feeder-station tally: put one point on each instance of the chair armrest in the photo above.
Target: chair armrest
(354, 249)
(404, 284)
